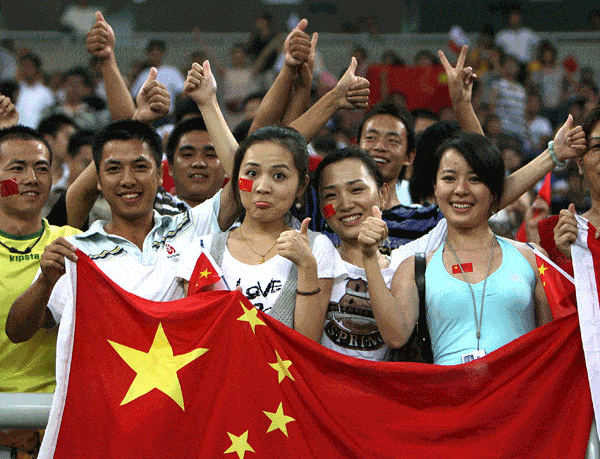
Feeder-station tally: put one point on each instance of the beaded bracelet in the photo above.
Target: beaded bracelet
(555, 160)
(314, 292)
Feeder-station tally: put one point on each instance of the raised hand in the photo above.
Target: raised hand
(200, 84)
(52, 262)
(8, 113)
(460, 78)
(295, 246)
(100, 39)
(153, 100)
(535, 213)
(352, 90)
(569, 141)
(565, 231)
(305, 70)
(372, 232)
(297, 45)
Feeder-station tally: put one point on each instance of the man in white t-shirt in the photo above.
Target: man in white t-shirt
(34, 97)
(147, 254)
(517, 40)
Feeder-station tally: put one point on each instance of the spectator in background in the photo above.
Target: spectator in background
(548, 75)
(362, 58)
(264, 42)
(391, 57)
(538, 128)
(167, 74)
(57, 130)
(508, 98)
(8, 61)
(424, 58)
(517, 40)
(34, 96)
(78, 18)
(423, 119)
(78, 101)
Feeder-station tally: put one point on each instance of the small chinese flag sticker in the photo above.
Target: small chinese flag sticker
(204, 274)
(8, 187)
(466, 267)
(245, 184)
(328, 211)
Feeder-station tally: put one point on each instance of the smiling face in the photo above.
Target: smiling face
(384, 137)
(129, 179)
(196, 169)
(352, 192)
(28, 162)
(463, 198)
(589, 163)
(276, 183)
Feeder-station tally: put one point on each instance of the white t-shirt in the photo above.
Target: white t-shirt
(262, 283)
(167, 75)
(350, 327)
(520, 43)
(31, 102)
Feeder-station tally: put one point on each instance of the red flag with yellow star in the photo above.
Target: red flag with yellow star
(204, 274)
(558, 285)
(209, 376)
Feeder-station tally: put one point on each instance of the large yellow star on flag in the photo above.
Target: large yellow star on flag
(239, 445)
(278, 420)
(281, 367)
(205, 273)
(542, 269)
(157, 368)
(250, 316)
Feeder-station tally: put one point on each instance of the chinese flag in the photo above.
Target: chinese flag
(210, 376)
(422, 87)
(204, 274)
(546, 194)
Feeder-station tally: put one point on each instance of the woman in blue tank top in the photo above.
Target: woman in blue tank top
(482, 291)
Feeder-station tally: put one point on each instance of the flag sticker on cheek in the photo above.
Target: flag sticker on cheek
(8, 187)
(245, 184)
(328, 211)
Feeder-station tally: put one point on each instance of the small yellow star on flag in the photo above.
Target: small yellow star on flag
(205, 273)
(279, 420)
(542, 269)
(281, 367)
(250, 316)
(157, 368)
(239, 445)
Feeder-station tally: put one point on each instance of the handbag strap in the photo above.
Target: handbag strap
(420, 266)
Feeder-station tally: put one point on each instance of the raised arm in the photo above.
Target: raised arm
(201, 86)
(351, 92)
(29, 312)
(9, 116)
(153, 100)
(460, 86)
(569, 142)
(395, 311)
(296, 49)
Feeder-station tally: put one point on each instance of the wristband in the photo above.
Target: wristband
(314, 292)
(555, 160)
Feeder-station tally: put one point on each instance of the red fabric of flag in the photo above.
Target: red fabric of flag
(559, 290)
(545, 193)
(421, 87)
(204, 274)
(209, 376)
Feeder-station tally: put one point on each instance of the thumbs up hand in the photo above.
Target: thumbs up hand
(100, 39)
(372, 232)
(153, 100)
(297, 45)
(200, 84)
(569, 141)
(352, 91)
(295, 246)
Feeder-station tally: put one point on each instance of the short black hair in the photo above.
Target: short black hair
(288, 138)
(428, 141)
(481, 155)
(590, 121)
(352, 152)
(194, 124)
(81, 138)
(80, 72)
(20, 132)
(33, 58)
(54, 123)
(127, 130)
(185, 106)
(397, 112)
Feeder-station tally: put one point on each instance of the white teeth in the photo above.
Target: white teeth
(461, 206)
(130, 196)
(30, 193)
(380, 160)
(351, 218)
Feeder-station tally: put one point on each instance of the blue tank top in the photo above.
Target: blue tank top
(508, 308)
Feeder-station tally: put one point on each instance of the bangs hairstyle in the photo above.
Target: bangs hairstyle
(127, 130)
(24, 133)
(335, 156)
(481, 155)
(590, 122)
(193, 124)
(397, 112)
(288, 138)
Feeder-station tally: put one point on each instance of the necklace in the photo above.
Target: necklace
(28, 249)
(479, 320)
(262, 257)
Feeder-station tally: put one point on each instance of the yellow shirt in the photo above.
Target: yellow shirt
(29, 366)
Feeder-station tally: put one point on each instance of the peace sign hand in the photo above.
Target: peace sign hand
(460, 78)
